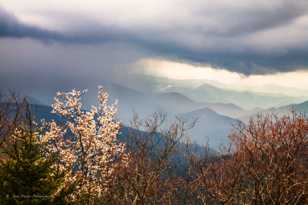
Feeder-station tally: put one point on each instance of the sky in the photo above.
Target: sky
(257, 46)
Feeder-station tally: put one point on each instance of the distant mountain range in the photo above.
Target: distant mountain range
(215, 119)
(227, 109)
(210, 128)
(171, 102)
(211, 94)
(301, 108)
(178, 159)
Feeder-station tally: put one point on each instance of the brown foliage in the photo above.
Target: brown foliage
(148, 178)
(267, 162)
(13, 112)
(268, 165)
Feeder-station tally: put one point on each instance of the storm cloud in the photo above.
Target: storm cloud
(244, 36)
(11, 27)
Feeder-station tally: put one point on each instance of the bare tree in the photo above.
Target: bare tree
(268, 165)
(149, 178)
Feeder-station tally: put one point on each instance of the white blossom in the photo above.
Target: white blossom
(87, 141)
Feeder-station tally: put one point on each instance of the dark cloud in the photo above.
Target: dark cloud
(228, 37)
(11, 27)
(242, 20)
(37, 69)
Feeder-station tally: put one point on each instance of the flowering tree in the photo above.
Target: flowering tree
(87, 143)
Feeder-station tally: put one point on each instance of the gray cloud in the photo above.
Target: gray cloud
(52, 67)
(244, 37)
(11, 27)
(242, 20)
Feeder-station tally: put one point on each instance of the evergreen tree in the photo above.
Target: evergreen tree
(27, 174)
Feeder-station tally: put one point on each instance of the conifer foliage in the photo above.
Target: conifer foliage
(26, 172)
